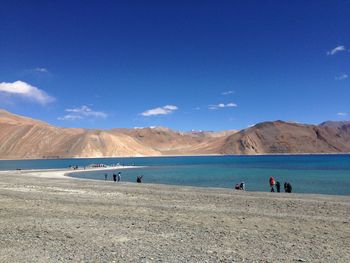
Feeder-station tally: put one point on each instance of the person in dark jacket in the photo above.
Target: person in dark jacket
(278, 186)
(287, 187)
(139, 179)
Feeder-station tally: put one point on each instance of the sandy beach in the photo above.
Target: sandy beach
(48, 217)
(64, 173)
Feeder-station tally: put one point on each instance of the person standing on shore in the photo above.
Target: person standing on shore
(106, 175)
(242, 186)
(287, 187)
(272, 183)
(119, 177)
(278, 186)
(139, 179)
(114, 177)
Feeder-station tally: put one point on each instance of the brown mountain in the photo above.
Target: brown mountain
(22, 137)
(169, 142)
(286, 137)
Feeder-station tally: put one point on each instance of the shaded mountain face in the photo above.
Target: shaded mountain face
(337, 125)
(285, 137)
(22, 137)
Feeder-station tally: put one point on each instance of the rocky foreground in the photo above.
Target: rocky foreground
(75, 220)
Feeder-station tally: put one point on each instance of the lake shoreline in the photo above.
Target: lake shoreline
(65, 173)
(177, 155)
(319, 174)
(68, 174)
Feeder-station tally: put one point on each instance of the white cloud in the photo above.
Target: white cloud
(82, 113)
(41, 70)
(70, 117)
(342, 77)
(336, 50)
(227, 92)
(167, 109)
(222, 105)
(342, 114)
(170, 107)
(86, 111)
(25, 90)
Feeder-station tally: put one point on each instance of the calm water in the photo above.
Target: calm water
(326, 174)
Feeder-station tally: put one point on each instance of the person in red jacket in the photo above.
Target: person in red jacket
(272, 184)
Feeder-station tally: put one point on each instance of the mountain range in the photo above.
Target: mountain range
(22, 137)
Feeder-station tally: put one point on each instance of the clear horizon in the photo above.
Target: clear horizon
(213, 65)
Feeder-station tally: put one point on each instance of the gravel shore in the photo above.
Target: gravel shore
(48, 219)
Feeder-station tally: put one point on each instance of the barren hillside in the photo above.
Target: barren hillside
(22, 137)
(286, 137)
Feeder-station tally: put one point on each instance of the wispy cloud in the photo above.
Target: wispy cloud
(222, 105)
(342, 114)
(82, 113)
(167, 109)
(25, 90)
(41, 70)
(70, 117)
(336, 50)
(38, 72)
(227, 92)
(341, 77)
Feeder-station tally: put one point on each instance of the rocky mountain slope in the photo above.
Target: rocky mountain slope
(286, 137)
(22, 137)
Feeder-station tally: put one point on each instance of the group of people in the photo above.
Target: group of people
(73, 167)
(118, 177)
(240, 186)
(274, 183)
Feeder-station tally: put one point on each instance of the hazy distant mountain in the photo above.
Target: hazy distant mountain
(22, 137)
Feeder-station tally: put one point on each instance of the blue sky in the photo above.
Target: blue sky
(209, 65)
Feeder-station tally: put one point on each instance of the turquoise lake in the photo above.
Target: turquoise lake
(323, 174)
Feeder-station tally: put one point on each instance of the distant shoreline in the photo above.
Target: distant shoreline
(164, 156)
(65, 173)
